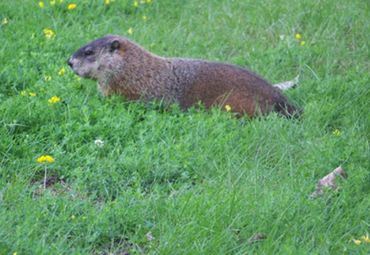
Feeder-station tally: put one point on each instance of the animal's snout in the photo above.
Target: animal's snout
(69, 62)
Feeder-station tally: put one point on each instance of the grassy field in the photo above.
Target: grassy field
(164, 181)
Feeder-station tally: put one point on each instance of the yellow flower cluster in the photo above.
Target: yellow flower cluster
(49, 33)
(47, 78)
(71, 6)
(53, 2)
(136, 3)
(4, 21)
(228, 108)
(298, 37)
(45, 159)
(54, 100)
(336, 132)
(363, 239)
(25, 93)
(62, 71)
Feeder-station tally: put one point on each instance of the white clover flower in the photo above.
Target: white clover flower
(99, 143)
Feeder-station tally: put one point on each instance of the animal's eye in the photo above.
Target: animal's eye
(88, 52)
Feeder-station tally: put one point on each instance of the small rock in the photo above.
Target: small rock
(328, 181)
(257, 237)
(149, 236)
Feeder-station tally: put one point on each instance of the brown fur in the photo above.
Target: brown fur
(123, 67)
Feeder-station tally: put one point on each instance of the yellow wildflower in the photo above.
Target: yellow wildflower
(130, 31)
(228, 108)
(49, 33)
(62, 71)
(71, 6)
(136, 3)
(106, 2)
(52, 2)
(41, 4)
(336, 132)
(54, 100)
(4, 21)
(357, 242)
(298, 36)
(45, 158)
(47, 78)
(145, 17)
(32, 94)
(302, 43)
(366, 238)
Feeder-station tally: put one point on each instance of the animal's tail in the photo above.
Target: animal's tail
(287, 84)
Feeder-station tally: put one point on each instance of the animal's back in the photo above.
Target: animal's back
(218, 84)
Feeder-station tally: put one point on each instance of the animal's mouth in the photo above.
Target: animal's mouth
(78, 73)
(82, 70)
(72, 64)
(83, 73)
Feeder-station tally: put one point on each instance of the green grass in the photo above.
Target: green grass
(200, 182)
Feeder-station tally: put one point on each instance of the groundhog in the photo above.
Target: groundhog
(123, 67)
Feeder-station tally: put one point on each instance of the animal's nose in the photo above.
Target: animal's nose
(69, 62)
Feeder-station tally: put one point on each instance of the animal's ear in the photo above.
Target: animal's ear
(115, 45)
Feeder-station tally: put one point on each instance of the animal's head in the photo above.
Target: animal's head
(99, 58)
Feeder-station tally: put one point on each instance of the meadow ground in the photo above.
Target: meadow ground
(195, 182)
